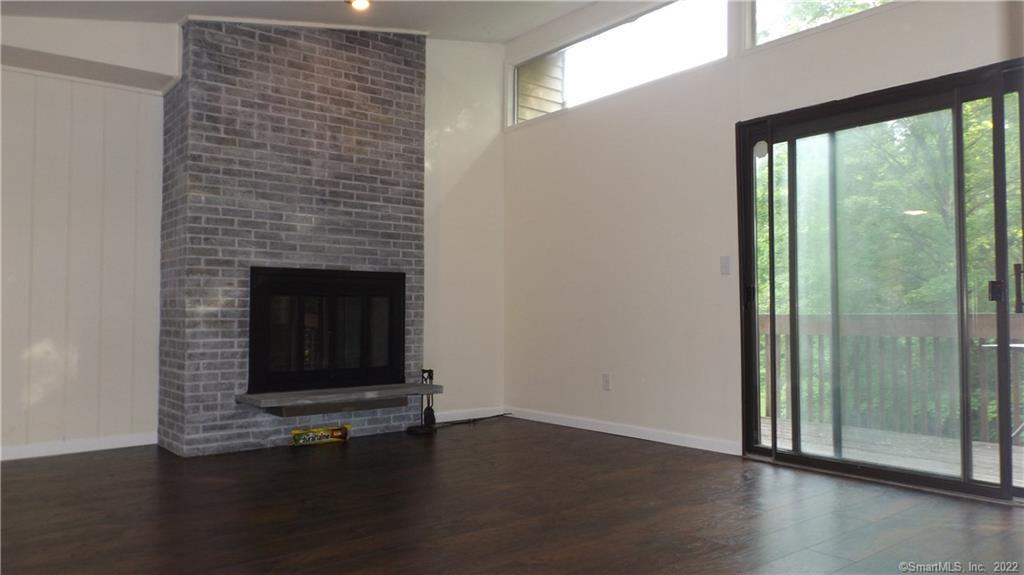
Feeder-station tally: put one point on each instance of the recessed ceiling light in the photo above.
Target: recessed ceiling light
(915, 212)
(359, 5)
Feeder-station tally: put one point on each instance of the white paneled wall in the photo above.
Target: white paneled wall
(81, 264)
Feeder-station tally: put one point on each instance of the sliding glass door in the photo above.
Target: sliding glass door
(882, 269)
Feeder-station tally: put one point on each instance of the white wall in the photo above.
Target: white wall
(81, 264)
(464, 340)
(140, 54)
(617, 211)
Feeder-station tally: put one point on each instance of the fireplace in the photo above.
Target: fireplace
(300, 186)
(319, 329)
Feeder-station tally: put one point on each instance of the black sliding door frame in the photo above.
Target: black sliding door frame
(1014, 82)
(794, 324)
(1003, 302)
(772, 339)
(944, 93)
(833, 240)
(746, 139)
(963, 329)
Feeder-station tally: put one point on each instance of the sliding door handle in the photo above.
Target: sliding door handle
(1018, 279)
(995, 291)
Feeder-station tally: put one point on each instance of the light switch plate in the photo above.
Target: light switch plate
(725, 265)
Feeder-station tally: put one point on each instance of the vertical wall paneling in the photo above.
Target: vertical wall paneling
(48, 308)
(81, 264)
(84, 253)
(18, 144)
(147, 269)
(118, 265)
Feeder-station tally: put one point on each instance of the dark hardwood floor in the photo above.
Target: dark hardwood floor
(500, 496)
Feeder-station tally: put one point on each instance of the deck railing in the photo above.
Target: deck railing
(899, 372)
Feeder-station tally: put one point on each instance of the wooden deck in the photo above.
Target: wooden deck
(939, 455)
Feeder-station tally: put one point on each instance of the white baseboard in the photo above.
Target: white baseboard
(635, 431)
(474, 413)
(76, 445)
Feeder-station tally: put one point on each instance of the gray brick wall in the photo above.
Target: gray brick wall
(283, 146)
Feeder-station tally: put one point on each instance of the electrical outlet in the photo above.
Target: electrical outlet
(606, 381)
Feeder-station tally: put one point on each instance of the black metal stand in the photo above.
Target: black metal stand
(428, 422)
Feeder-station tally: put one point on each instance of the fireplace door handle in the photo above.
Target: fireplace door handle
(1018, 280)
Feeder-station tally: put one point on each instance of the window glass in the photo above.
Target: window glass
(778, 18)
(679, 36)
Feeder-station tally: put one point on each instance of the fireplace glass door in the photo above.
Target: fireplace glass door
(313, 329)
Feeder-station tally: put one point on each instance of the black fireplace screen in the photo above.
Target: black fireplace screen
(315, 329)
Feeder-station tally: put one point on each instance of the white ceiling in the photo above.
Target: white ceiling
(480, 21)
